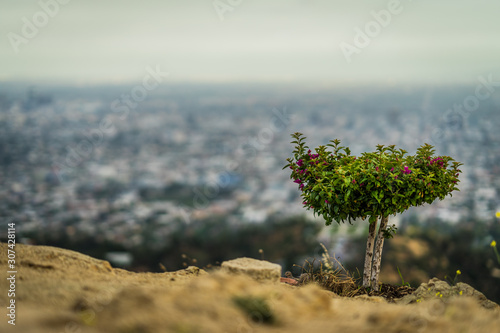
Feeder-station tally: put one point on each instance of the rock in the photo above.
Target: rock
(438, 289)
(259, 270)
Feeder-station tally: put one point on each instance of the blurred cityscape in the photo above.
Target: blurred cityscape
(95, 162)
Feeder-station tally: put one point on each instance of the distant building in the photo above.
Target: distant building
(121, 259)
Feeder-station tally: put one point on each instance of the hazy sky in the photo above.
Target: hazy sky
(114, 41)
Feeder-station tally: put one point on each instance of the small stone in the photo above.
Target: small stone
(259, 270)
(290, 281)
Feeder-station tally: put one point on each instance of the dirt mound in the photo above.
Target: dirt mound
(436, 288)
(63, 291)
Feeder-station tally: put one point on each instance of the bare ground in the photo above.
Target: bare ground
(64, 291)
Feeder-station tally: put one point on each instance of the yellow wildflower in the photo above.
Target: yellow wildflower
(497, 214)
(493, 243)
(461, 293)
(458, 272)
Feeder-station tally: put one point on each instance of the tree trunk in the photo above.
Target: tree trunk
(378, 253)
(369, 253)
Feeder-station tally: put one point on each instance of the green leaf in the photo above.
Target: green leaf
(381, 193)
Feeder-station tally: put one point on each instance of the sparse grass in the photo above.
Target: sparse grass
(494, 246)
(337, 280)
(333, 276)
(256, 308)
(455, 279)
(403, 283)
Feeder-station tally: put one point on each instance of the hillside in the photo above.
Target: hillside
(59, 290)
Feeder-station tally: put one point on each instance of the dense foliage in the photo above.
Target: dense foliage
(339, 186)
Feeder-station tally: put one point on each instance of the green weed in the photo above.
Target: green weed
(403, 283)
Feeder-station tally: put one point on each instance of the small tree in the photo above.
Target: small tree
(373, 186)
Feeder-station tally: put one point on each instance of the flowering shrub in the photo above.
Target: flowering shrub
(341, 187)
